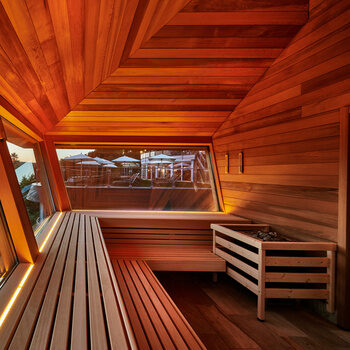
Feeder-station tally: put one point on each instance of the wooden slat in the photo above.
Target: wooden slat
(158, 306)
(46, 319)
(323, 246)
(79, 336)
(140, 309)
(117, 333)
(141, 338)
(186, 331)
(68, 293)
(96, 317)
(296, 277)
(297, 293)
(239, 18)
(236, 235)
(237, 249)
(61, 329)
(297, 261)
(144, 292)
(8, 328)
(26, 325)
(237, 263)
(242, 280)
(165, 257)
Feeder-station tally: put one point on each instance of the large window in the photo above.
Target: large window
(136, 178)
(31, 175)
(8, 258)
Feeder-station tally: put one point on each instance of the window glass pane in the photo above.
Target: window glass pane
(138, 178)
(31, 175)
(8, 258)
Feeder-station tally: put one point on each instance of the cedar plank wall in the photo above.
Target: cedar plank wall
(288, 129)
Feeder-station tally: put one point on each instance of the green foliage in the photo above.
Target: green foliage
(27, 180)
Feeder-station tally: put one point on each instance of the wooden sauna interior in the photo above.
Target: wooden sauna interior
(260, 89)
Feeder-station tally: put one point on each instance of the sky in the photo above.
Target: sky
(24, 154)
(27, 154)
(63, 153)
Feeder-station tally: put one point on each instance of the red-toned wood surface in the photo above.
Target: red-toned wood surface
(288, 129)
(148, 67)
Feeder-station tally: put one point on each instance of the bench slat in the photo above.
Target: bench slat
(79, 337)
(151, 309)
(114, 319)
(159, 306)
(131, 310)
(98, 339)
(141, 310)
(28, 320)
(49, 314)
(45, 320)
(8, 329)
(147, 302)
(60, 335)
(181, 323)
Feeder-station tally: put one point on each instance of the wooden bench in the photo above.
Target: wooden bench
(155, 319)
(170, 257)
(71, 298)
(166, 241)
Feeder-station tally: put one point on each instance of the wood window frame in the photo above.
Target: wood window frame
(175, 142)
(14, 208)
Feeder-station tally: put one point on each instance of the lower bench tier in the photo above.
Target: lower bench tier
(170, 257)
(156, 321)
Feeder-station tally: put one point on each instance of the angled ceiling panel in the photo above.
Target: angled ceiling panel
(138, 67)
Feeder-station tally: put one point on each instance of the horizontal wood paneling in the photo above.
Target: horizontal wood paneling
(188, 56)
(288, 129)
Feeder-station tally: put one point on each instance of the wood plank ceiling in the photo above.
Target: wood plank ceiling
(137, 67)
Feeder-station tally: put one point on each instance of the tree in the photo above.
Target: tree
(15, 160)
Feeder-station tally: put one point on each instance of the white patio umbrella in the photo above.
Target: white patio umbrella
(127, 162)
(79, 156)
(163, 157)
(102, 160)
(159, 162)
(125, 159)
(89, 162)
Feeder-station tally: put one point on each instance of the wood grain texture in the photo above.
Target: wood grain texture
(55, 309)
(181, 58)
(154, 316)
(288, 129)
(223, 314)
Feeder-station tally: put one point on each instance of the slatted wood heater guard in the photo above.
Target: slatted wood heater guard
(276, 269)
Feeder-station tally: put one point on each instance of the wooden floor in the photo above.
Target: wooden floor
(223, 314)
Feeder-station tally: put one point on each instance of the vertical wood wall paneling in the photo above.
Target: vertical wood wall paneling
(343, 257)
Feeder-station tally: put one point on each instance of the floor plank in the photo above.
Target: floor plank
(223, 314)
